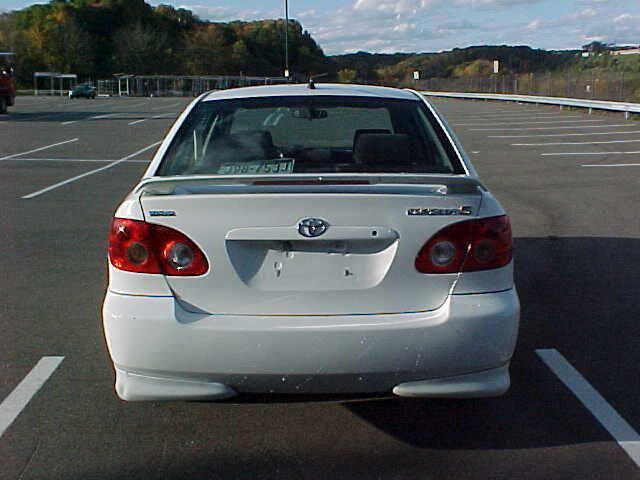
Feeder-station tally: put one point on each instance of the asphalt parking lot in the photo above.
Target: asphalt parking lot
(571, 184)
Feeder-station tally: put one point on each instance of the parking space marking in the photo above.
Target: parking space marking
(111, 115)
(68, 109)
(18, 399)
(552, 116)
(576, 127)
(608, 417)
(8, 157)
(547, 122)
(560, 154)
(612, 165)
(86, 174)
(573, 143)
(155, 117)
(108, 115)
(78, 160)
(166, 115)
(548, 135)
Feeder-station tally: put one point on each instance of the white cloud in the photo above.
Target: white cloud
(216, 13)
(627, 20)
(307, 13)
(404, 27)
(589, 12)
(533, 25)
(392, 6)
(431, 25)
(409, 6)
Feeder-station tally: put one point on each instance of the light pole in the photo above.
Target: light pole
(286, 38)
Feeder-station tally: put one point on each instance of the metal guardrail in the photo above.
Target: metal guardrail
(627, 108)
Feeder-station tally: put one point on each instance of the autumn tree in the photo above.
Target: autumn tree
(142, 49)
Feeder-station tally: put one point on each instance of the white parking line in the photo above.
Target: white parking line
(513, 113)
(39, 149)
(573, 143)
(165, 115)
(588, 153)
(108, 115)
(78, 160)
(115, 114)
(608, 417)
(528, 123)
(546, 135)
(86, 174)
(515, 117)
(612, 165)
(155, 117)
(18, 399)
(576, 127)
(75, 109)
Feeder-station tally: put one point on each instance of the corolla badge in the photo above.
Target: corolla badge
(162, 213)
(312, 227)
(440, 212)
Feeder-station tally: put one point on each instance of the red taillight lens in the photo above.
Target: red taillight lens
(469, 246)
(141, 247)
(492, 245)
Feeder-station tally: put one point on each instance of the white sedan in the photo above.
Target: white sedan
(310, 239)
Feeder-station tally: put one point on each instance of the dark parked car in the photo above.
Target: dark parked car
(83, 91)
(7, 81)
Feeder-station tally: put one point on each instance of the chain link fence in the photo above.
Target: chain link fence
(177, 86)
(612, 86)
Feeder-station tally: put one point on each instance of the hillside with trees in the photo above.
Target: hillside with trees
(398, 68)
(97, 38)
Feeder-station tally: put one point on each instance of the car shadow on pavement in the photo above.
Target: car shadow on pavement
(53, 116)
(579, 296)
(573, 291)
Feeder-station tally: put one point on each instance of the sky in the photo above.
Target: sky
(387, 26)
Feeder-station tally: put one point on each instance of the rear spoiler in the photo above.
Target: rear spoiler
(310, 183)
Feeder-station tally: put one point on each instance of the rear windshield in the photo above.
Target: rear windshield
(288, 135)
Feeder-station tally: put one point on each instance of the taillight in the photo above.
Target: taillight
(468, 246)
(141, 247)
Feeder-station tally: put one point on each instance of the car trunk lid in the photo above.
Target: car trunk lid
(264, 261)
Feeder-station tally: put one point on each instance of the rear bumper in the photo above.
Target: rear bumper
(162, 352)
(135, 387)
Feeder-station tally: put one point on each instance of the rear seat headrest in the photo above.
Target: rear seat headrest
(367, 131)
(383, 148)
(242, 146)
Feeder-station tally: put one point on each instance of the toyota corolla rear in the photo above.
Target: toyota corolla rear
(295, 240)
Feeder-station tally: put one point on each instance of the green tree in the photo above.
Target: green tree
(207, 50)
(347, 75)
(141, 49)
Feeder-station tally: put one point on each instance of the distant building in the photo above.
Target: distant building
(595, 49)
(626, 50)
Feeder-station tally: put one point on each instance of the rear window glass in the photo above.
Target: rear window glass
(287, 135)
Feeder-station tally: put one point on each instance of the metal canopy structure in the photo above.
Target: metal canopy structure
(185, 85)
(72, 79)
